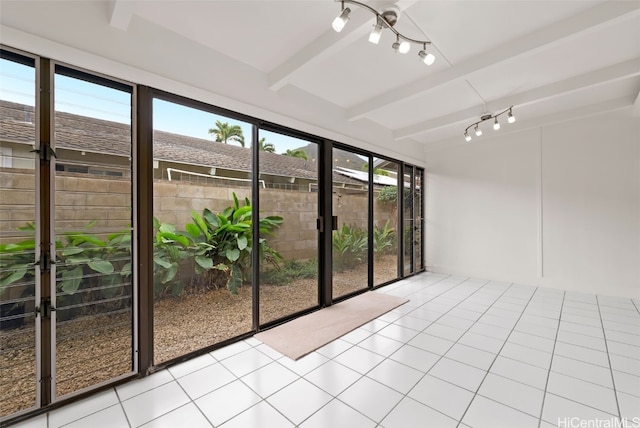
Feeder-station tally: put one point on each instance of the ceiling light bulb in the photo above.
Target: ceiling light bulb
(374, 37)
(478, 131)
(427, 58)
(510, 117)
(404, 47)
(467, 137)
(496, 124)
(341, 20)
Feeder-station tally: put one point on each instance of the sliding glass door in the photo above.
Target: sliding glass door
(201, 228)
(385, 221)
(288, 188)
(351, 211)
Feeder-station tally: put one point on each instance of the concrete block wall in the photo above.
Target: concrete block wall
(81, 199)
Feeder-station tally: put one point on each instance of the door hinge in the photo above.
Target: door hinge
(45, 261)
(45, 308)
(45, 153)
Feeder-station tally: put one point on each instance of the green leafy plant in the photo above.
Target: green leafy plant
(170, 251)
(17, 260)
(223, 243)
(349, 247)
(83, 261)
(290, 271)
(384, 240)
(388, 195)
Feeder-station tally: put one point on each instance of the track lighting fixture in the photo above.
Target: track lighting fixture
(496, 125)
(388, 19)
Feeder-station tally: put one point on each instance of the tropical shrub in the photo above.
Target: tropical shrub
(384, 240)
(349, 247)
(170, 251)
(223, 243)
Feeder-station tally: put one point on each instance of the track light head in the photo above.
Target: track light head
(496, 124)
(467, 137)
(404, 47)
(427, 58)
(478, 131)
(341, 20)
(510, 117)
(374, 37)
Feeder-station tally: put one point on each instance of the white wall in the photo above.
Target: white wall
(556, 206)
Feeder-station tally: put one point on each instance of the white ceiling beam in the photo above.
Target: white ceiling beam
(590, 20)
(120, 13)
(623, 70)
(326, 45)
(605, 75)
(636, 106)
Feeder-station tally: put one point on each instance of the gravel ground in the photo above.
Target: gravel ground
(94, 349)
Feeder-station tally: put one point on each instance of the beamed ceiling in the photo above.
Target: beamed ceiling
(551, 60)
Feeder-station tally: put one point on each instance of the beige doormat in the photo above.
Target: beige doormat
(304, 335)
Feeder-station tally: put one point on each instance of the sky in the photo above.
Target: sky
(17, 84)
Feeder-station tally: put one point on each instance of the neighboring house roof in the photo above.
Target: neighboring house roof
(364, 176)
(87, 134)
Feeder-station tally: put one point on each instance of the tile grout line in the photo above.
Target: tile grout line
(122, 407)
(546, 385)
(270, 395)
(606, 346)
(497, 355)
(175, 379)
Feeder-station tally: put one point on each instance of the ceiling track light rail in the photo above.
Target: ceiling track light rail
(387, 18)
(496, 125)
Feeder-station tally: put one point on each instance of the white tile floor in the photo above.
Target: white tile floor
(461, 353)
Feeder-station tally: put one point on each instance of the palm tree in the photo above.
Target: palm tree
(225, 132)
(266, 147)
(296, 153)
